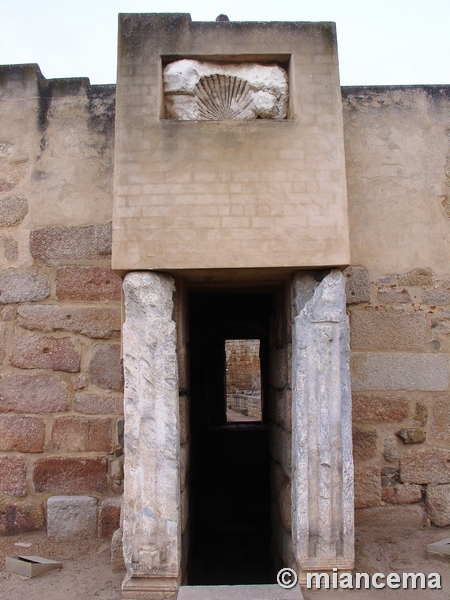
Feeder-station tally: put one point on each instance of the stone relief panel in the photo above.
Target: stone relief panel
(207, 91)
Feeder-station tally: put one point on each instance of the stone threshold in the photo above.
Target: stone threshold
(238, 592)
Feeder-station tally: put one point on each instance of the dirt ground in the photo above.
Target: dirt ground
(86, 572)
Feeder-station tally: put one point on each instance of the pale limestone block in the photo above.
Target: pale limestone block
(391, 516)
(151, 523)
(198, 90)
(71, 516)
(322, 465)
(399, 371)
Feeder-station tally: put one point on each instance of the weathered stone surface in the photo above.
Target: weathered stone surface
(67, 475)
(33, 351)
(87, 284)
(367, 486)
(440, 327)
(417, 278)
(71, 243)
(387, 330)
(440, 419)
(324, 502)
(279, 371)
(393, 296)
(391, 516)
(21, 516)
(105, 367)
(284, 505)
(151, 427)
(184, 419)
(71, 516)
(3, 330)
(281, 447)
(92, 404)
(379, 409)
(32, 393)
(13, 209)
(117, 562)
(184, 509)
(411, 435)
(364, 444)
(109, 517)
(421, 414)
(357, 287)
(436, 297)
(22, 434)
(407, 494)
(198, 90)
(80, 434)
(390, 449)
(10, 247)
(117, 470)
(23, 285)
(438, 504)
(431, 465)
(13, 473)
(94, 322)
(402, 371)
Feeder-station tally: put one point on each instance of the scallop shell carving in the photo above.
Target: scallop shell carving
(222, 97)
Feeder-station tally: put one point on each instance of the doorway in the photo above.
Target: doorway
(230, 458)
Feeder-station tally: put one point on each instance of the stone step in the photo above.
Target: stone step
(238, 592)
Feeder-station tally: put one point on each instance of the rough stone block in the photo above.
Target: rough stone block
(3, 330)
(71, 243)
(21, 516)
(184, 419)
(367, 486)
(32, 351)
(10, 247)
(117, 470)
(440, 419)
(13, 476)
(105, 367)
(438, 504)
(390, 449)
(281, 447)
(357, 287)
(23, 285)
(407, 494)
(279, 368)
(387, 330)
(421, 414)
(71, 516)
(364, 444)
(92, 404)
(411, 435)
(417, 278)
(402, 371)
(436, 297)
(32, 393)
(379, 409)
(66, 475)
(117, 561)
(393, 296)
(283, 409)
(80, 434)
(109, 517)
(284, 505)
(13, 209)
(22, 434)
(430, 465)
(87, 284)
(412, 516)
(94, 322)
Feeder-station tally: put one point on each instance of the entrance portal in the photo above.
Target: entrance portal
(230, 472)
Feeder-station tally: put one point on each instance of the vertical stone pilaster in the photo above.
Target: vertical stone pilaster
(151, 524)
(322, 465)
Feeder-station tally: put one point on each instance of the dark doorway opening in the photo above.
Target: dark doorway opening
(230, 524)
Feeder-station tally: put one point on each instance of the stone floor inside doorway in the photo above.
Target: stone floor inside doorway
(86, 572)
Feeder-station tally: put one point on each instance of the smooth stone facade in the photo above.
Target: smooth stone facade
(151, 508)
(322, 464)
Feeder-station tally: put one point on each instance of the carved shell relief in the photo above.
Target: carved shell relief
(203, 91)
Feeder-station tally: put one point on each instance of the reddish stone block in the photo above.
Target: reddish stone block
(92, 404)
(364, 444)
(367, 487)
(88, 283)
(105, 368)
(108, 518)
(80, 434)
(13, 476)
(21, 516)
(71, 243)
(32, 393)
(22, 434)
(64, 475)
(44, 352)
(379, 409)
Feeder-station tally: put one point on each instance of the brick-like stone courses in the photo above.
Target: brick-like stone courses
(400, 341)
(61, 379)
